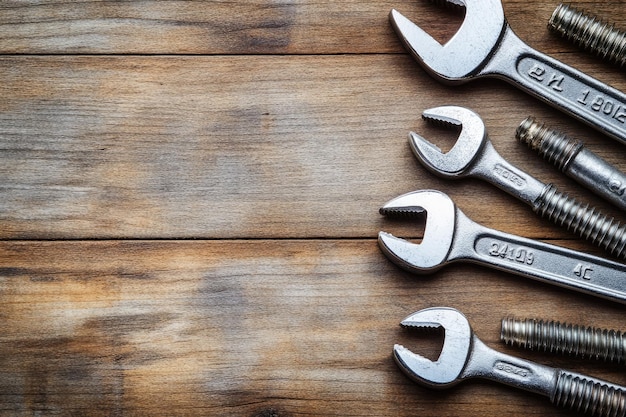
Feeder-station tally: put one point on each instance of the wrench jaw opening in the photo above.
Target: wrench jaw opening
(426, 50)
(464, 54)
(418, 368)
(432, 253)
(407, 255)
(457, 162)
(447, 370)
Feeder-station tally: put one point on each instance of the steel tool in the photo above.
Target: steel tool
(451, 236)
(485, 46)
(473, 155)
(590, 32)
(574, 340)
(465, 356)
(575, 160)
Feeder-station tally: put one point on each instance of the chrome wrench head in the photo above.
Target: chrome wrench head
(459, 159)
(447, 369)
(432, 253)
(465, 53)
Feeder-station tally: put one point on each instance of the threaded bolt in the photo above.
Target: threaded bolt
(568, 339)
(572, 158)
(590, 33)
(583, 220)
(589, 396)
(553, 146)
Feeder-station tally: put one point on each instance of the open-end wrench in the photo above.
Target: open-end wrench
(451, 236)
(473, 155)
(486, 46)
(465, 356)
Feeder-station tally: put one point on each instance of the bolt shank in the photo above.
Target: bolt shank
(596, 174)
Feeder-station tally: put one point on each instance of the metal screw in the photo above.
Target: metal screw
(587, 396)
(571, 157)
(583, 220)
(553, 336)
(590, 33)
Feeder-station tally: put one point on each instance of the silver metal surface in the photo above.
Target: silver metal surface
(450, 236)
(465, 356)
(473, 155)
(576, 161)
(485, 46)
(568, 339)
(590, 33)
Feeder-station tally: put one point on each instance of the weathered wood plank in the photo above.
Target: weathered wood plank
(242, 147)
(244, 327)
(272, 148)
(245, 27)
(194, 27)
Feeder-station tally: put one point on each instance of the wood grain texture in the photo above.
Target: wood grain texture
(194, 27)
(245, 27)
(189, 196)
(242, 147)
(245, 327)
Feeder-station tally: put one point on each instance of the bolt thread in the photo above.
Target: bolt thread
(567, 339)
(552, 145)
(583, 220)
(590, 33)
(589, 396)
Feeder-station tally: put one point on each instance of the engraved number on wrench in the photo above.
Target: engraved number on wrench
(587, 98)
(504, 251)
(583, 271)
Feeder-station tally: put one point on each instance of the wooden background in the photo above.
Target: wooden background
(189, 209)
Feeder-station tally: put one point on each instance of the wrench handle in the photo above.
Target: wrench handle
(568, 89)
(565, 389)
(549, 263)
(584, 393)
(496, 170)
